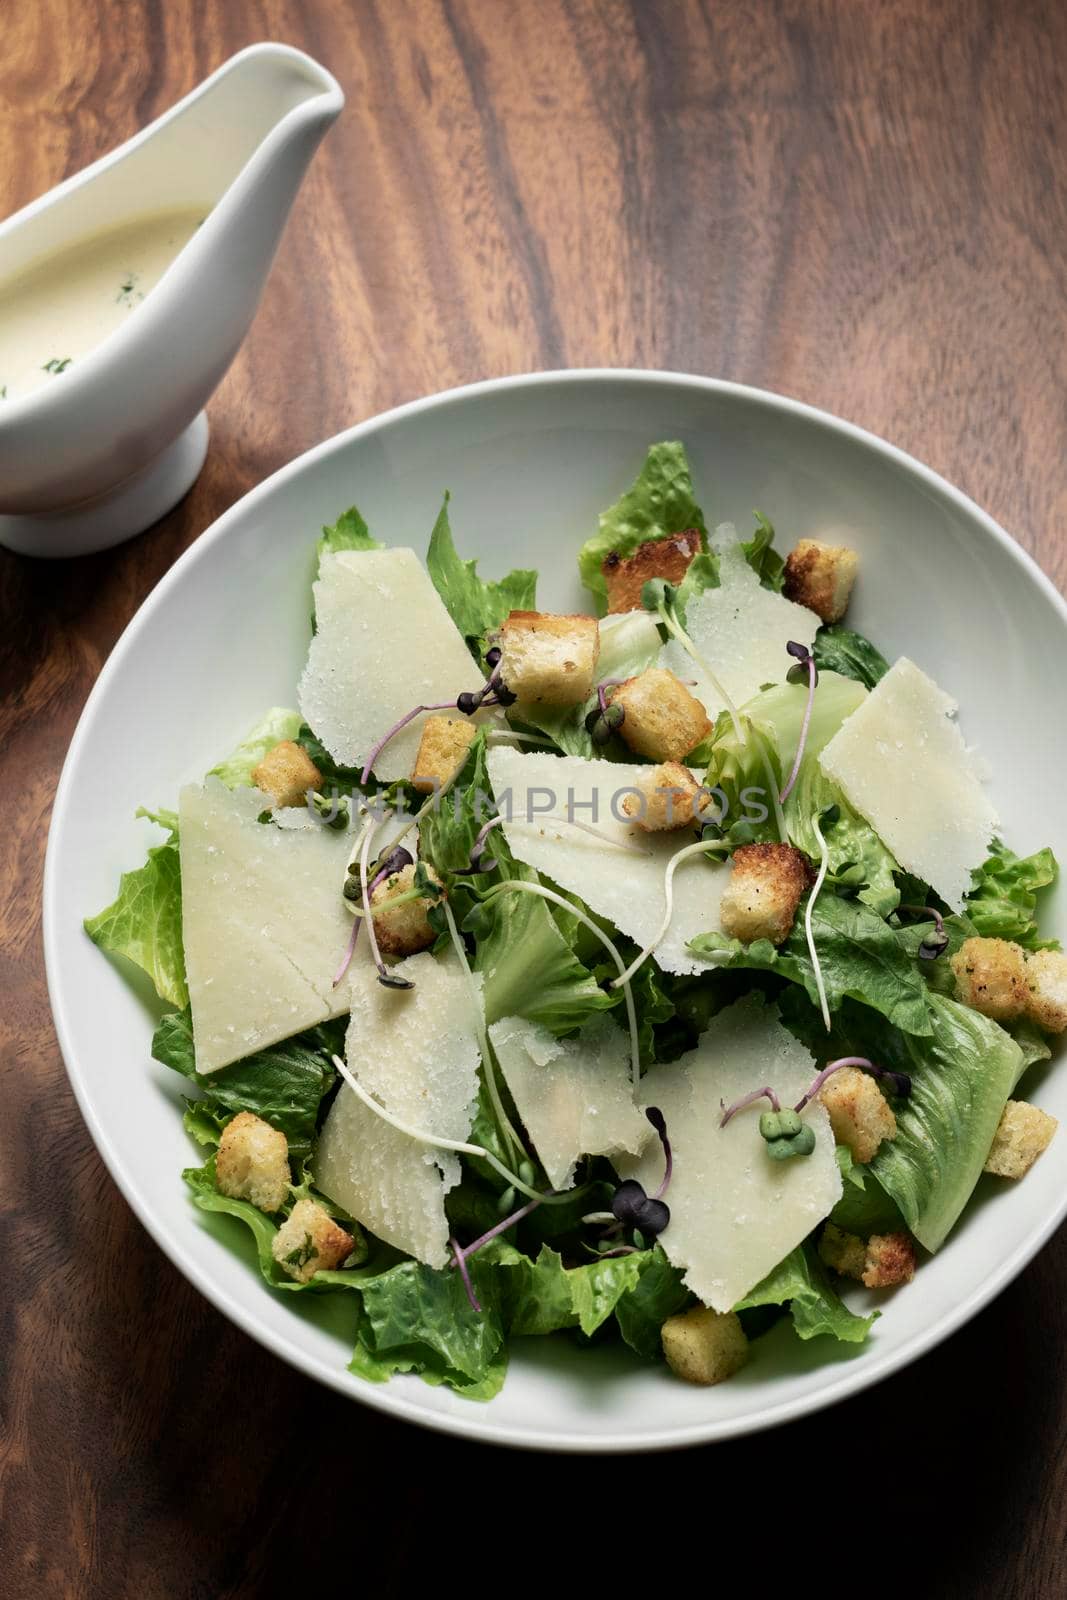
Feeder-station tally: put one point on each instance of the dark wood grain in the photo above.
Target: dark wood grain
(862, 205)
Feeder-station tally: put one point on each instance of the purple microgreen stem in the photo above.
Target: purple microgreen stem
(502, 1227)
(900, 1080)
(446, 705)
(804, 655)
(659, 1122)
(766, 1093)
(824, 867)
(459, 1259)
(364, 882)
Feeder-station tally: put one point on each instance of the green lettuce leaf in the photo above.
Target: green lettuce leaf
(962, 1075)
(475, 604)
(264, 1230)
(761, 555)
(349, 532)
(415, 1319)
(144, 923)
(861, 957)
(864, 1207)
(271, 729)
(839, 649)
(659, 1293)
(1004, 898)
(802, 1281)
(598, 1287)
(659, 502)
(283, 1084)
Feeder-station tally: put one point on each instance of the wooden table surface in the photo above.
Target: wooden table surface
(859, 204)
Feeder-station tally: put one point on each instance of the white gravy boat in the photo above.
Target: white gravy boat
(103, 449)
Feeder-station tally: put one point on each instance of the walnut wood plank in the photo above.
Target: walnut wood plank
(860, 205)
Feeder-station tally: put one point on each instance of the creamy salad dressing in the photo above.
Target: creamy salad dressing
(55, 312)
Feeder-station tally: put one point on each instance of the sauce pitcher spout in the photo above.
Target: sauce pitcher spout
(103, 433)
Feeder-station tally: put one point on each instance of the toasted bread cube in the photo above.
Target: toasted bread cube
(890, 1260)
(662, 721)
(1046, 982)
(309, 1241)
(820, 576)
(845, 1253)
(286, 773)
(704, 1346)
(252, 1162)
(860, 1114)
(549, 660)
(442, 751)
(626, 576)
(991, 977)
(760, 900)
(406, 929)
(1022, 1134)
(670, 798)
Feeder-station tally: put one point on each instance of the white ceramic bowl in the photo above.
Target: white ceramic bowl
(530, 462)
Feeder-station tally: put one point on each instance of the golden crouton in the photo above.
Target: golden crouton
(704, 1346)
(820, 576)
(662, 721)
(286, 773)
(442, 751)
(761, 898)
(405, 930)
(845, 1252)
(991, 977)
(253, 1162)
(890, 1260)
(860, 1114)
(1022, 1134)
(1046, 982)
(549, 660)
(668, 796)
(657, 558)
(309, 1241)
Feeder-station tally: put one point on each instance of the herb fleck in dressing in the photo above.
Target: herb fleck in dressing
(57, 310)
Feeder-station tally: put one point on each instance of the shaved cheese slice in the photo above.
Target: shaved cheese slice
(735, 1211)
(263, 923)
(415, 1051)
(384, 644)
(741, 630)
(574, 1095)
(625, 888)
(901, 762)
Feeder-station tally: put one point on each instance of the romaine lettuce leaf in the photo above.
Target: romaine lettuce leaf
(475, 604)
(861, 958)
(271, 729)
(349, 532)
(658, 503)
(144, 922)
(1004, 898)
(761, 555)
(283, 1084)
(864, 1207)
(839, 649)
(659, 1293)
(802, 1281)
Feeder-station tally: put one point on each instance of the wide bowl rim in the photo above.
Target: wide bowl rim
(478, 1425)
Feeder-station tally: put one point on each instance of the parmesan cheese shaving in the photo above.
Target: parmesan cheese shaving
(416, 1051)
(740, 630)
(627, 889)
(574, 1095)
(900, 760)
(384, 644)
(263, 923)
(735, 1212)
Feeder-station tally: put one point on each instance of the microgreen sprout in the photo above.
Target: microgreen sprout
(766, 1093)
(701, 847)
(785, 1135)
(459, 1259)
(492, 693)
(659, 1122)
(805, 668)
(935, 944)
(661, 597)
(899, 1082)
(331, 810)
(520, 886)
(824, 867)
(389, 980)
(605, 718)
